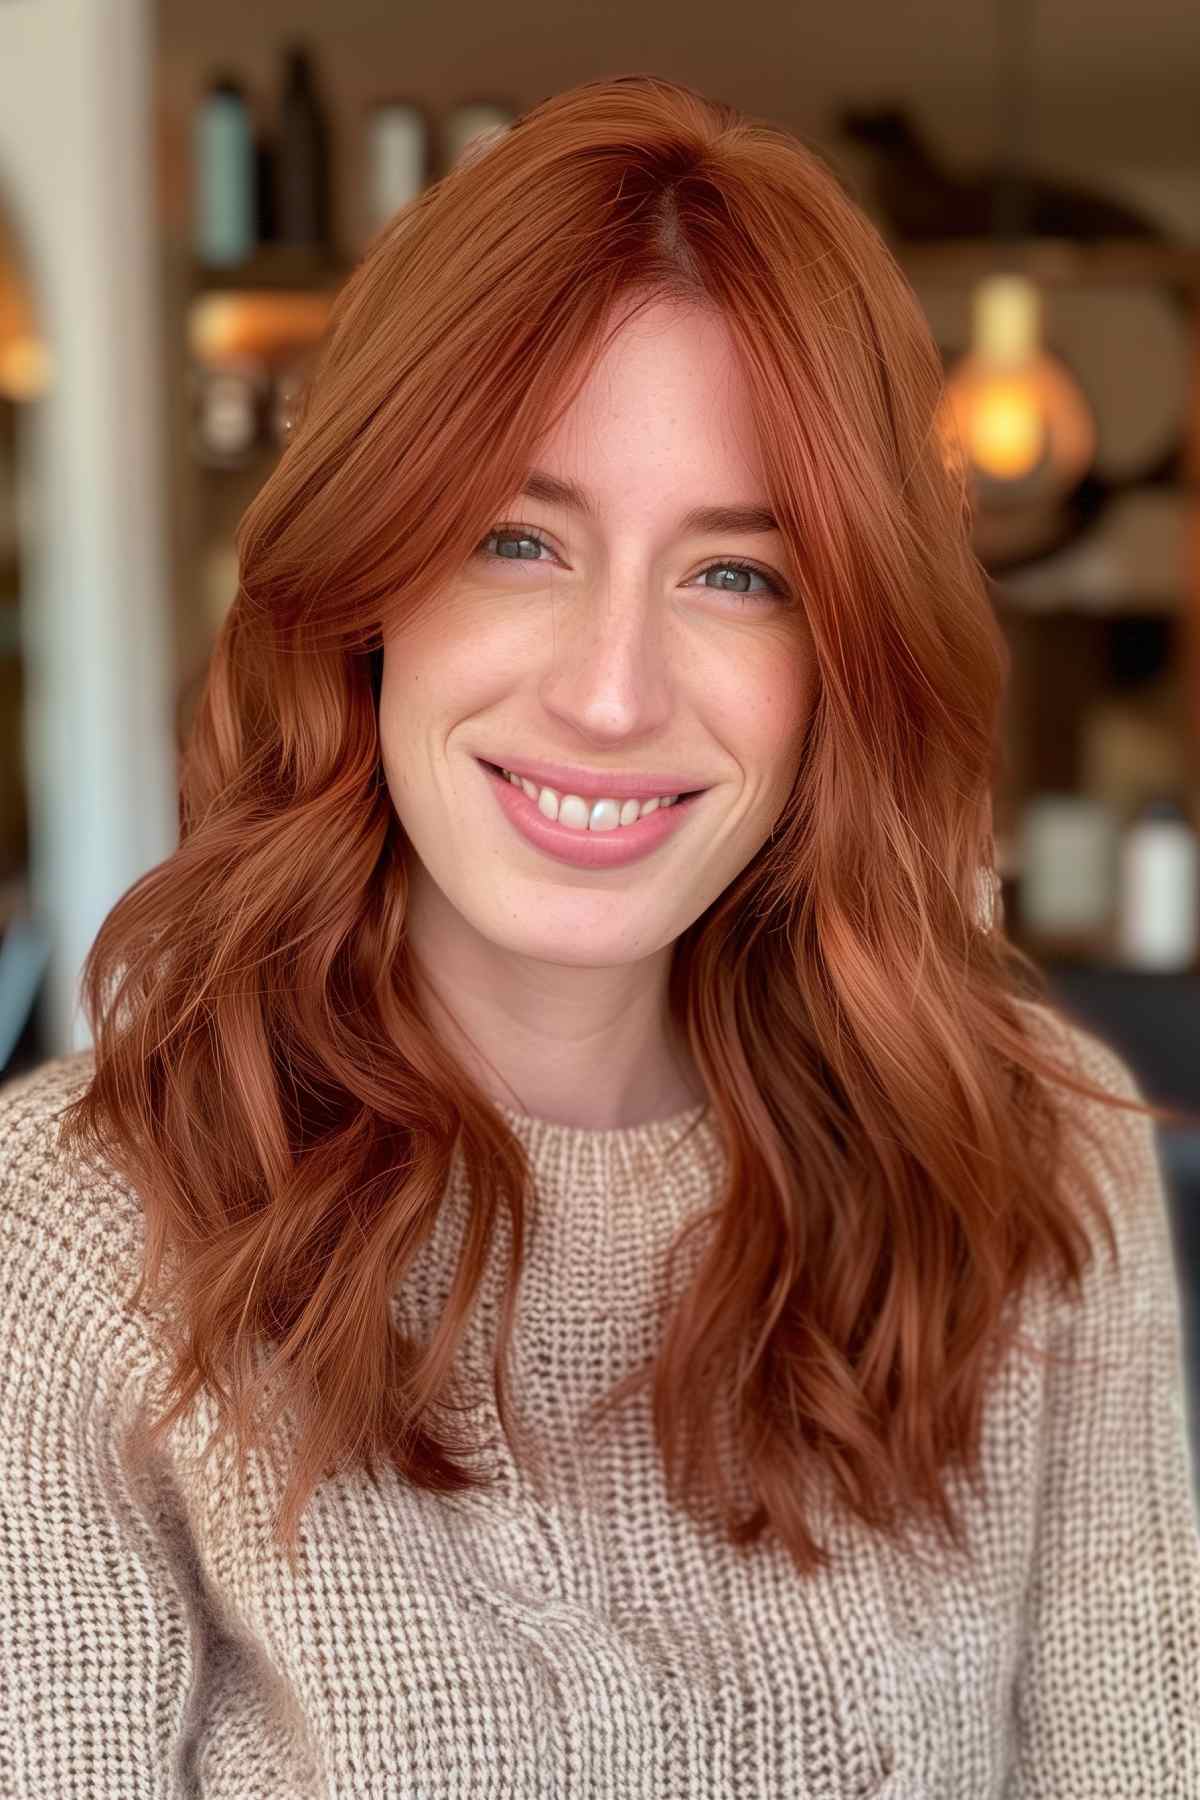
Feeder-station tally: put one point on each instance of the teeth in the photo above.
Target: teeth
(582, 815)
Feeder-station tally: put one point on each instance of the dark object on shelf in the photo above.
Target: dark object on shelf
(264, 186)
(924, 200)
(1141, 647)
(303, 212)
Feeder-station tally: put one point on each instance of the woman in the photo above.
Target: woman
(583, 829)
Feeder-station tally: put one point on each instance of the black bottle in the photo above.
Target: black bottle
(302, 159)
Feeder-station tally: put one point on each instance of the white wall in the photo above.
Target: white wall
(76, 174)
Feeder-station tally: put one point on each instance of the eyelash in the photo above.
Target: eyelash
(778, 591)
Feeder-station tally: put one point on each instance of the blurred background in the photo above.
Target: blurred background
(182, 190)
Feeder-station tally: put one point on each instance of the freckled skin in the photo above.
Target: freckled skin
(613, 645)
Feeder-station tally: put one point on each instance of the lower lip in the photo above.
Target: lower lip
(586, 849)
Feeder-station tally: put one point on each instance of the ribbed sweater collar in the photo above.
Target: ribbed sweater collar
(553, 1146)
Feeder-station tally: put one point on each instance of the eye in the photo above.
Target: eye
(516, 542)
(739, 568)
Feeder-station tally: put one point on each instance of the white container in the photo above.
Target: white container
(1159, 890)
(471, 127)
(397, 159)
(1068, 866)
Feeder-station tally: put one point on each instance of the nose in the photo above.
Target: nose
(608, 676)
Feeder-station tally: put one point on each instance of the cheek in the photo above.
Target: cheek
(433, 678)
(409, 696)
(767, 703)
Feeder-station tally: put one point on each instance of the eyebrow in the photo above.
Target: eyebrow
(756, 520)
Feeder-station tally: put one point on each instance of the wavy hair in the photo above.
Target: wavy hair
(266, 1074)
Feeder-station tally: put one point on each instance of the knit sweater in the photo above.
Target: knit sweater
(153, 1641)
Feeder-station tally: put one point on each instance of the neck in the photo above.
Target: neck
(574, 1044)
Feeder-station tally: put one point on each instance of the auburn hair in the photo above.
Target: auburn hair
(266, 1075)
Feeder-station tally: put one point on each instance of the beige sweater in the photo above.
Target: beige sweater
(153, 1643)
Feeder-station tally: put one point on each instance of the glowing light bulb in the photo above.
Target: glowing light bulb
(1004, 431)
(1015, 411)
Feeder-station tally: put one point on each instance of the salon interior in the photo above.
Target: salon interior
(183, 189)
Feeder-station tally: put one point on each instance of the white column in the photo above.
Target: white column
(77, 176)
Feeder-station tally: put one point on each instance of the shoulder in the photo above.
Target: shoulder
(75, 1357)
(1113, 1135)
(1068, 1040)
(34, 1100)
(1120, 1148)
(56, 1209)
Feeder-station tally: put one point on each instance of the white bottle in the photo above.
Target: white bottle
(1159, 889)
(397, 159)
(1068, 845)
(470, 127)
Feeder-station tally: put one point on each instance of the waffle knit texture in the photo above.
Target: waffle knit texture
(153, 1642)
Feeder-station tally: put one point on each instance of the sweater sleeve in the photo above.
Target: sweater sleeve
(98, 1641)
(1107, 1696)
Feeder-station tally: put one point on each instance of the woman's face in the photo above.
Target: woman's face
(600, 628)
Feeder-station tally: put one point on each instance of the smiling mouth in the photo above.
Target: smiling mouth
(495, 768)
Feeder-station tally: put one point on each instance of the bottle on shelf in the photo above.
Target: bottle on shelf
(1067, 877)
(230, 411)
(303, 185)
(1133, 735)
(1159, 888)
(470, 127)
(224, 203)
(264, 185)
(397, 159)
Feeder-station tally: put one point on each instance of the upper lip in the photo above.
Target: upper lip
(592, 784)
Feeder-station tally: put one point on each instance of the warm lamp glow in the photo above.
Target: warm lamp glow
(1014, 409)
(26, 367)
(25, 361)
(224, 326)
(1004, 433)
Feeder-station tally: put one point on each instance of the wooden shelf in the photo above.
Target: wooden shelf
(273, 266)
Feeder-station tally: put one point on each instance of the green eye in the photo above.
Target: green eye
(738, 568)
(512, 543)
(516, 542)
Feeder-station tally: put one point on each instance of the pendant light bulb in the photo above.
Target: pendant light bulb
(1005, 431)
(1014, 409)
